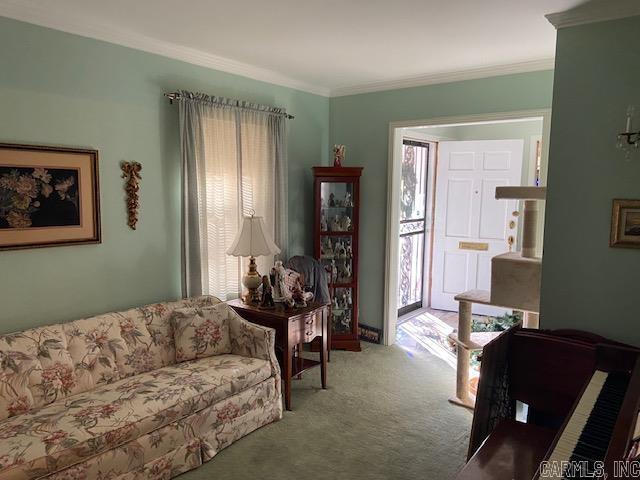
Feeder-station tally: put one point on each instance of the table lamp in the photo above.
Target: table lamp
(252, 240)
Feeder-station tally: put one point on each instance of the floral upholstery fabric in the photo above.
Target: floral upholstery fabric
(97, 349)
(35, 369)
(83, 425)
(201, 332)
(78, 399)
(148, 332)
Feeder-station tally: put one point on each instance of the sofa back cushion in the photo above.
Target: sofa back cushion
(201, 332)
(148, 333)
(35, 369)
(42, 365)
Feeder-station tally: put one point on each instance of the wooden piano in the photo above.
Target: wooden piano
(581, 394)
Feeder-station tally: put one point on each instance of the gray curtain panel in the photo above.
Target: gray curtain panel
(233, 160)
(191, 149)
(278, 131)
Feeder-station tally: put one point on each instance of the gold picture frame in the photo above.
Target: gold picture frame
(49, 196)
(625, 223)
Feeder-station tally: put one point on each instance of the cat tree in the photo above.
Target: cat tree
(515, 284)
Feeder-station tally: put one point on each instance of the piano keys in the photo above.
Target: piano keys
(583, 398)
(585, 438)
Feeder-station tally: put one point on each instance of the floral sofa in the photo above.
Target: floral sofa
(105, 398)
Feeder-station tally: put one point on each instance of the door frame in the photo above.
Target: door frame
(393, 192)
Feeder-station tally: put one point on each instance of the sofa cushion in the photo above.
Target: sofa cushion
(148, 332)
(97, 349)
(35, 369)
(68, 431)
(201, 332)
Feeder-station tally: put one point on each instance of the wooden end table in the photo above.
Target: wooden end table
(294, 327)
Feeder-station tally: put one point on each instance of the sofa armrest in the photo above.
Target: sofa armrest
(251, 340)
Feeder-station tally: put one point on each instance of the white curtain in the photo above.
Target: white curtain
(234, 163)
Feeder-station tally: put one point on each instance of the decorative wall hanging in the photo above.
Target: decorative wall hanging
(48, 196)
(131, 171)
(625, 224)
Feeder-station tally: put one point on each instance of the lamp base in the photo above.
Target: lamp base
(252, 281)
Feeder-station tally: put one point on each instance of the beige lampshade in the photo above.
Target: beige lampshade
(253, 239)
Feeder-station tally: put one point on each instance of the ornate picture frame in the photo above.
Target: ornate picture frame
(49, 196)
(625, 224)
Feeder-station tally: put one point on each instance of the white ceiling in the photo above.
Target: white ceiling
(325, 46)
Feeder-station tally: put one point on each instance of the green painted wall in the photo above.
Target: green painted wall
(585, 283)
(62, 89)
(361, 122)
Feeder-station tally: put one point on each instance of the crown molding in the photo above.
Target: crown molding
(446, 77)
(595, 11)
(52, 18)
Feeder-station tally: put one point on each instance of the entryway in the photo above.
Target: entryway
(444, 224)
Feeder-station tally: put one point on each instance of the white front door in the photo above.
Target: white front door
(470, 225)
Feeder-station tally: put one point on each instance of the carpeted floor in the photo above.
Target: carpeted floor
(385, 415)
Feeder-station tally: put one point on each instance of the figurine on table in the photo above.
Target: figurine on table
(280, 291)
(297, 292)
(267, 293)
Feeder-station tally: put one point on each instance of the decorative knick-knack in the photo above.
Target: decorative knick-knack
(332, 200)
(131, 171)
(323, 223)
(335, 224)
(345, 224)
(267, 293)
(338, 155)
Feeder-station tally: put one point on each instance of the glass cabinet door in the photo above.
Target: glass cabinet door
(336, 250)
(336, 207)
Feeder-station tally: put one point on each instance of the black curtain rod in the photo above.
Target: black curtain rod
(177, 96)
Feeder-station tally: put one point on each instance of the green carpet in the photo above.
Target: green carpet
(385, 415)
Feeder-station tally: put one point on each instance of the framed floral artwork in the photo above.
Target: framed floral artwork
(48, 196)
(625, 224)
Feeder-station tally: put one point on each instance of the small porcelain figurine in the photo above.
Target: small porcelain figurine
(280, 291)
(346, 321)
(335, 302)
(335, 224)
(349, 251)
(346, 272)
(328, 248)
(338, 155)
(323, 223)
(334, 271)
(332, 200)
(345, 224)
(267, 293)
(298, 294)
(340, 251)
(347, 200)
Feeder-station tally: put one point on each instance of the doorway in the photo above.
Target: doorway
(444, 224)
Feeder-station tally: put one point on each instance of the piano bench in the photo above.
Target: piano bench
(513, 451)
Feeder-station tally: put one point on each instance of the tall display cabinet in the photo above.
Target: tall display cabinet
(337, 220)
